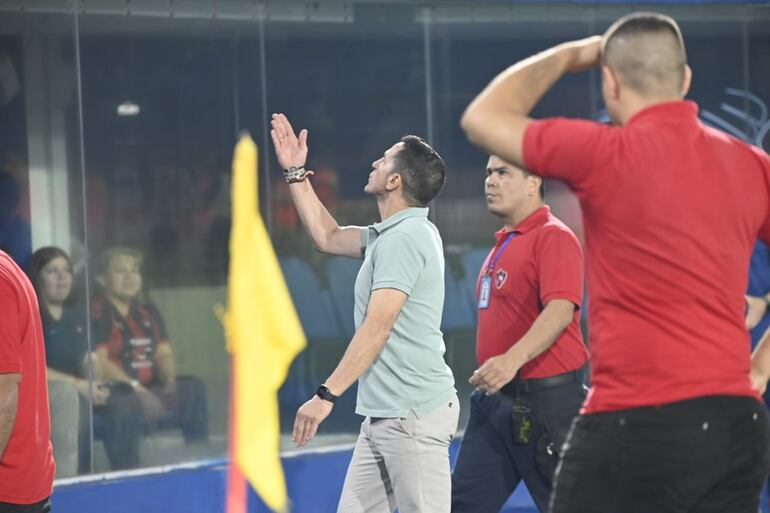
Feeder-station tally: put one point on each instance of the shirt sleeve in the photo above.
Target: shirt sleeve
(364, 237)
(560, 266)
(10, 330)
(576, 151)
(398, 263)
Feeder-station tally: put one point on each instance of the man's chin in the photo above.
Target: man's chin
(494, 210)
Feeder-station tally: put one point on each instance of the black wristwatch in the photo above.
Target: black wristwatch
(324, 393)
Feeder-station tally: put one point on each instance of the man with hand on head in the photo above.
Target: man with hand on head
(529, 346)
(671, 210)
(405, 390)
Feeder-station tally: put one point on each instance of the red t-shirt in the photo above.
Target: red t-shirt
(541, 262)
(671, 210)
(26, 466)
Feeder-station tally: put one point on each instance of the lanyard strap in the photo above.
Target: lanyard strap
(498, 253)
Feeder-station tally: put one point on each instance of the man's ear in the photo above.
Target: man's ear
(393, 183)
(687, 80)
(535, 183)
(610, 83)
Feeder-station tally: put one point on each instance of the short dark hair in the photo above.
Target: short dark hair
(647, 50)
(422, 170)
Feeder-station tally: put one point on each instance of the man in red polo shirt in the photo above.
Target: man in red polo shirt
(671, 210)
(528, 346)
(26, 456)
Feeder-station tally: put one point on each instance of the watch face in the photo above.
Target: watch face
(325, 394)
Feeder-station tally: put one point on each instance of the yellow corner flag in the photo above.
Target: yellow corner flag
(263, 334)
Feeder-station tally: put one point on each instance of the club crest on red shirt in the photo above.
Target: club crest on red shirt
(500, 277)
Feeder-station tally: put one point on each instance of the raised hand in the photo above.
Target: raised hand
(289, 149)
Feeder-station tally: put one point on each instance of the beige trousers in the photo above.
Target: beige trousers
(402, 462)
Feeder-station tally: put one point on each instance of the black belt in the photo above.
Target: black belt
(518, 386)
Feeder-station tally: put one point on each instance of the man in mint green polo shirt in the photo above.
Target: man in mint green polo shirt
(406, 391)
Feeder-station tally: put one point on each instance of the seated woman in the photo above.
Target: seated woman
(66, 348)
(133, 347)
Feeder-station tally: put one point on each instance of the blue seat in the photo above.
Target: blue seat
(322, 330)
(458, 311)
(342, 278)
(313, 303)
(472, 261)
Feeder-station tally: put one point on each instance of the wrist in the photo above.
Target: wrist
(295, 174)
(514, 358)
(325, 394)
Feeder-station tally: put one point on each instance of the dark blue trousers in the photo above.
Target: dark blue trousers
(491, 464)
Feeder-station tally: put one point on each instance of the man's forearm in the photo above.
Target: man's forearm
(497, 119)
(366, 344)
(111, 370)
(760, 359)
(520, 86)
(317, 220)
(9, 402)
(551, 322)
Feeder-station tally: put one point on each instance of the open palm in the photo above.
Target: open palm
(289, 149)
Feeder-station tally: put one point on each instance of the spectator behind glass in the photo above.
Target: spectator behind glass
(116, 414)
(133, 346)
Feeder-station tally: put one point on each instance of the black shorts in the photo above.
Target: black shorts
(704, 455)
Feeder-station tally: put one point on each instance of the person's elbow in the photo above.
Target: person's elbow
(472, 123)
(327, 242)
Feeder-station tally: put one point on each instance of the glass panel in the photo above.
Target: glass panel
(758, 73)
(163, 103)
(465, 57)
(41, 208)
(357, 82)
(164, 95)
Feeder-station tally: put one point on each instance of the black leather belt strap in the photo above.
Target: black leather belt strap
(517, 386)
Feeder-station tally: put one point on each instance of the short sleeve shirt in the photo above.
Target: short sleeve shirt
(541, 262)
(671, 210)
(405, 253)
